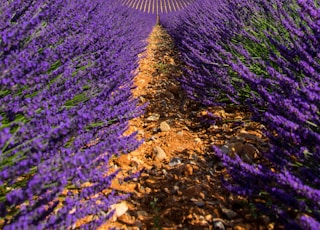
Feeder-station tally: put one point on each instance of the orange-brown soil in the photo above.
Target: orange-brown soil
(180, 186)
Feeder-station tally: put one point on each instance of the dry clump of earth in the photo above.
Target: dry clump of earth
(180, 183)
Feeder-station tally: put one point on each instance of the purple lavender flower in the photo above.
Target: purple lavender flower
(66, 78)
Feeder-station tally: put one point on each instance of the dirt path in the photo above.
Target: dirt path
(180, 187)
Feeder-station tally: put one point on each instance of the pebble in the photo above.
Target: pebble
(127, 219)
(140, 132)
(218, 225)
(175, 161)
(154, 117)
(119, 209)
(202, 195)
(153, 138)
(175, 189)
(208, 218)
(229, 213)
(180, 133)
(159, 153)
(164, 126)
(270, 226)
(199, 203)
(203, 223)
(142, 215)
(148, 190)
(197, 140)
(155, 130)
(142, 99)
(188, 170)
(151, 182)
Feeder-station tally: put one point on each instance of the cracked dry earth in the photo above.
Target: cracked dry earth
(180, 185)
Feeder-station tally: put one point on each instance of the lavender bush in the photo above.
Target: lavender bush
(264, 54)
(66, 74)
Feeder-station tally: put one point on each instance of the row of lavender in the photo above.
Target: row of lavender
(266, 55)
(66, 74)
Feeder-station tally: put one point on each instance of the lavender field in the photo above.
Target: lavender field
(67, 71)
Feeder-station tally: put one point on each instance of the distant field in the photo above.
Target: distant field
(157, 6)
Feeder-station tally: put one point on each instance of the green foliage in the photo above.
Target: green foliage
(156, 218)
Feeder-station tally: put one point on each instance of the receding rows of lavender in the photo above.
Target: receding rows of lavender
(66, 73)
(263, 54)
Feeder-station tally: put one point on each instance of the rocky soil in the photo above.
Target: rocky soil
(180, 184)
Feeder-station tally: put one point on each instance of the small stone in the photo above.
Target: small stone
(208, 218)
(153, 138)
(164, 126)
(176, 188)
(142, 215)
(199, 203)
(142, 99)
(270, 226)
(151, 182)
(218, 225)
(159, 153)
(229, 213)
(155, 130)
(197, 140)
(154, 117)
(136, 160)
(180, 133)
(141, 189)
(203, 223)
(119, 209)
(175, 161)
(221, 113)
(188, 170)
(148, 190)
(140, 132)
(127, 219)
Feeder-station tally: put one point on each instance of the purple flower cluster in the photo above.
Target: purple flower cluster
(266, 55)
(66, 71)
